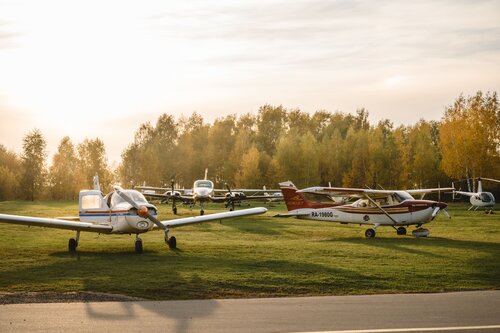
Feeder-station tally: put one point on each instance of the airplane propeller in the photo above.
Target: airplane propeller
(141, 210)
(172, 195)
(437, 209)
(231, 198)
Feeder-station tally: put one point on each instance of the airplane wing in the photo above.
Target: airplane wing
(240, 198)
(291, 215)
(151, 188)
(212, 217)
(430, 190)
(55, 223)
(346, 192)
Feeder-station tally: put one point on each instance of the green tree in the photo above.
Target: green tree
(249, 174)
(63, 174)
(33, 165)
(10, 175)
(271, 126)
(92, 160)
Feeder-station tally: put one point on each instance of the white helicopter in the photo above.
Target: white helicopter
(203, 191)
(480, 199)
(119, 212)
(397, 209)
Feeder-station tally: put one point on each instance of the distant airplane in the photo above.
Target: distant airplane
(203, 191)
(397, 209)
(119, 212)
(480, 199)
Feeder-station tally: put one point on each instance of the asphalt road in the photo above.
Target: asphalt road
(477, 311)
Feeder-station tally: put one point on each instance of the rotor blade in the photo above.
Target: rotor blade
(491, 179)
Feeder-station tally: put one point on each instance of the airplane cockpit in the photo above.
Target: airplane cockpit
(204, 184)
(114, 199)
(485, 197)
(393, 199)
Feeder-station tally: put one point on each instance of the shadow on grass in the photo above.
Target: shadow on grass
(485, 264)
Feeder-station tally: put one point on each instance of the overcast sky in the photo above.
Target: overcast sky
(101, 68)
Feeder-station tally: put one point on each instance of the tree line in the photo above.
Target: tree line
(274, 145)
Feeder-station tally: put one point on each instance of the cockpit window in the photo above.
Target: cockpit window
(486, 197)
(134, 195)
(401, 196)
(203, 183)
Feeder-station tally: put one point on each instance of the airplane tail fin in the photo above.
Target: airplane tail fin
(96, 183)
(293, 200)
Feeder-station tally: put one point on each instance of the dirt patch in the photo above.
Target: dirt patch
(53, 297)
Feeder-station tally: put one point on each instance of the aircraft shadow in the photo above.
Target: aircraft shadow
(484, 267)
(172, 277)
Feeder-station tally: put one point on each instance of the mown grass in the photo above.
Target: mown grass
(251, 257)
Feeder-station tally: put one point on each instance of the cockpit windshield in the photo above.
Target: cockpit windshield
(203, 183)
(134, 195)
(486, 197)
(402, 196)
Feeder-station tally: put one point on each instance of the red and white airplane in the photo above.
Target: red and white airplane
(119, 212)
(397, 209)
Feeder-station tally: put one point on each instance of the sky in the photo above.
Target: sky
(91, 69)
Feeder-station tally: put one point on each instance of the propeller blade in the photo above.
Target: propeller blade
(125, 197)
(141, 210)
(446, 213)
(155, 221)
(434, 213)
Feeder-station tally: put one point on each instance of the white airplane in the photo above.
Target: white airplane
(480, 199)
(397, 209)
(119, 212)
(203, 191)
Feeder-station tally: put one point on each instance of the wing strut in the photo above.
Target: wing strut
(381, 209)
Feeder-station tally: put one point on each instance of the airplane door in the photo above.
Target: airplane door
(93, 207)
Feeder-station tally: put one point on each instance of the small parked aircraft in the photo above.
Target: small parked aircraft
(480, 199)
(397, 209)
(119, 212)
(203, 191)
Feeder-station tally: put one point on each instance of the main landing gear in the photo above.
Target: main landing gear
(401, 231)
(73, 243)
(370, 233)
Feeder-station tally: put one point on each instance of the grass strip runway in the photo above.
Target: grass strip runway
(259, 256)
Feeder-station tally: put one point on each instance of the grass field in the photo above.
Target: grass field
(251, 257)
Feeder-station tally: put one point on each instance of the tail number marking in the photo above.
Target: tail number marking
(322, 214)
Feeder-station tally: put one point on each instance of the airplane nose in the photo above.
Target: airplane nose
(442, 205)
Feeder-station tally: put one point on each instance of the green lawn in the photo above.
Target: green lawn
(251, 257)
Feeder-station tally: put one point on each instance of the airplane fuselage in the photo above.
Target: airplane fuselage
(112, 210)
(409, 212)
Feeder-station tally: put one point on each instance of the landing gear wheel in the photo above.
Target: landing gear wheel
(401, 231)
(202, 212)
(370, 233)
(174, 210)
(138, 246)
(72, 245)
(231, 209)
(172, 242)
